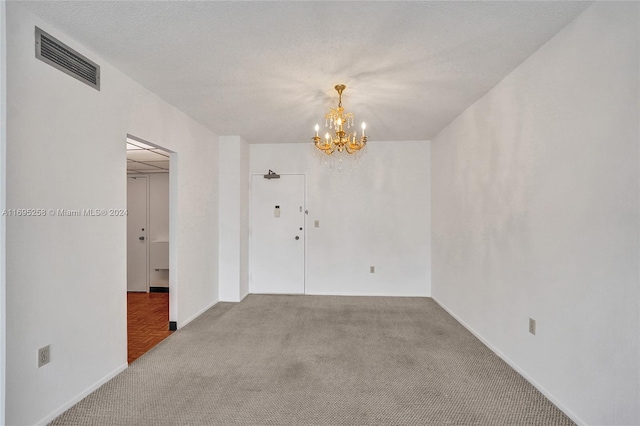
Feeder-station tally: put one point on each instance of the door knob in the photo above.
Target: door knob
(141, 238)
(297, 238)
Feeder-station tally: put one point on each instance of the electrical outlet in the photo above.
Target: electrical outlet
(317, 224)
(532, 326)
(44, 356)
(372, 269)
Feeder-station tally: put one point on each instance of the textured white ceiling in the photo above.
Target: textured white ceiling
(266, 70)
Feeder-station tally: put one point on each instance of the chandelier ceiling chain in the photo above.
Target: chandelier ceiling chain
(341, 141)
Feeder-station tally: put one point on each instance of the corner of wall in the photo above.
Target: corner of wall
(233, 218)
(244, 218)
(428, 221)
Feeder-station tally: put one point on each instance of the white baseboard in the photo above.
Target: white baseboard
(355, 294)
(49, 418)
(197, 314)
(239, 299)
(515, 366)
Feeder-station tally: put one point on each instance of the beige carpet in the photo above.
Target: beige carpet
(318, 360)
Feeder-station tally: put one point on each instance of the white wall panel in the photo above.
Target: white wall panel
(234, 199)
(535, 214)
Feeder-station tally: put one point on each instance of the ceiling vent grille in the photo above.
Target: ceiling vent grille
(67, 60)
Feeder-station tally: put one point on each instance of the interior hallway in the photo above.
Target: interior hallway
(147, 322)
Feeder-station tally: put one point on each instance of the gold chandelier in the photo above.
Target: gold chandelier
(338, 120)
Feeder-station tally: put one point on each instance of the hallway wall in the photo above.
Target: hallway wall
(66, 275)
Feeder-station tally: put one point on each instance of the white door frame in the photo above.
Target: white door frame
(173, 229)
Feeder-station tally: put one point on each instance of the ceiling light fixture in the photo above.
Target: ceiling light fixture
(338, 120)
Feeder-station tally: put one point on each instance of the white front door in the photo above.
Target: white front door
(277, 234)
(137, 244)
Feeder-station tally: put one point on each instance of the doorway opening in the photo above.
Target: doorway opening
(148, 245)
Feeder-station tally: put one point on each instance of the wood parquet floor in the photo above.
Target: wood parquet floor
(147, 322)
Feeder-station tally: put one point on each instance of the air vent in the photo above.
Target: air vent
(67, 60)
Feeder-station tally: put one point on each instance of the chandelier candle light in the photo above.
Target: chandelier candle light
(342, 141)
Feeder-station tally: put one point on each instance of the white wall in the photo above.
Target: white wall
(195, 221)
(3, 199)
(158, 226)
(244, 219)
(66, 276)
(159, 206)
(535, 214)
(374, 215)
(233, 217)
